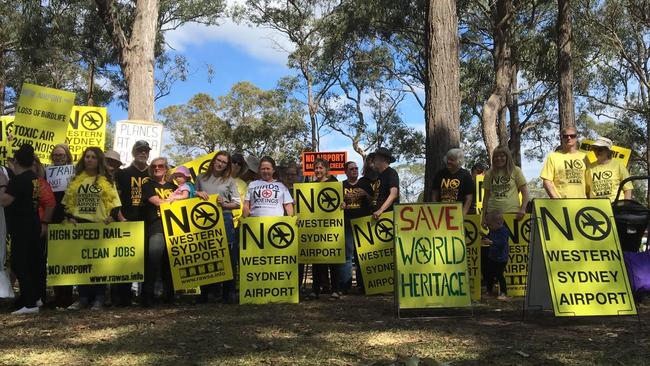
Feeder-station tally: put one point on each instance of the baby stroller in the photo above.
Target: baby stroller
(632, 220)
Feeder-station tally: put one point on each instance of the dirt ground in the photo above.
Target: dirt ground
(355, 330)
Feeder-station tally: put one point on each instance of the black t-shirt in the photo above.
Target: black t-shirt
(453, 187)
(22, 214)
(358, 202)
(387, 179)
(151, 212)
(129, 185)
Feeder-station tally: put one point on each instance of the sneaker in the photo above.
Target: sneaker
(97, 305)
(78, 305)
(26, 311)
(335, 295)
(502, 297)
(313, 296)
(39, 303)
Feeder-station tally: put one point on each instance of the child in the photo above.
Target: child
(185, 188)
(497, 259)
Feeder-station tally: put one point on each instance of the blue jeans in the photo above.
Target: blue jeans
(344, 271)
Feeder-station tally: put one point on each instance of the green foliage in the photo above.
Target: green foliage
(247, 119)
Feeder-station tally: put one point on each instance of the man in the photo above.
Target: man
(453, 183)
(356, 203)
(129, 185)
(563, 174)
(388, 192)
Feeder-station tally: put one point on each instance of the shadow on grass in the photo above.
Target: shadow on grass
(352, 331)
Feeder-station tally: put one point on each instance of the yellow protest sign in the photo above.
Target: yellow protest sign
(196, 242)
(618, 152)
(41, 119)
(268, 262)
(375, 248)
(582, 273)
(473, 243)
(480, 192)
(320, 222)
(5, 148)
(199, 165)
(431, 256)
(517, 268)
(95, 253)
(87, 128)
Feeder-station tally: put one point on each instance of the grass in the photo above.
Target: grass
(356, 330)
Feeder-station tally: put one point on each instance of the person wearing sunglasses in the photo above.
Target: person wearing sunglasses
(218, 179)
(605, 174)
(157, 190)
(563, 174)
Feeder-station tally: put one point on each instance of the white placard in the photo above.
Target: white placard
(128, 132)
(59, 176)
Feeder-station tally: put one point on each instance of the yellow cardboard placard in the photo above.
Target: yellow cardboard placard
(5, 148)
(86, 128)
(516, 271)
(584, 262)
(376, 250)
(41, 119)
(618, 152)
(473, 234)
(268, 263)
(431, 256)
(480, 192)
(95, 253)
(199, 165)
(320, 223)
(196, 242)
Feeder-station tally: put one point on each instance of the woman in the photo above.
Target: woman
(256, 205)
(605, 175)
(453, 183)
(503, 183)
(90, 197)
(156, 191)
(46, 206)
(218, 180)
(61, 156)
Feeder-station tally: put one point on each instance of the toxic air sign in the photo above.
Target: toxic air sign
(321, 230)
(375, 247)
(196, 242)
(584, 263)
(431, 256)
(269, 260)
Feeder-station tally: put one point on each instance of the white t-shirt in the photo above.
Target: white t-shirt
(267, 198)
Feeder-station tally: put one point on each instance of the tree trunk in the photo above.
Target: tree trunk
(311, 107)
(513, 107)
(136, 55)
(494, 128)
(442, 88)
(565, 71)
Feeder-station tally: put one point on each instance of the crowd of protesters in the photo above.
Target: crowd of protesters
(135, 193)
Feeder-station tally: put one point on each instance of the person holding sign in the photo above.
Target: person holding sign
(90, 197)
(266, 196)
(20, 196)
(504, 181)
(454, 183)
(563, 174)
(156, 190)
(388, 191)
(218, 180)
(605, 175)
(61, 156)
(46, 205)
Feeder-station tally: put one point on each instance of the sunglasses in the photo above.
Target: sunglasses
(158, 166)
(570, 136)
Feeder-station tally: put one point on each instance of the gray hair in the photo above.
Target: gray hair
(455, 153)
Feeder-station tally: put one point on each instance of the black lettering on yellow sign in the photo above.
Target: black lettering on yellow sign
(471, 232)
(279, 235)
(590, 222)
(328, 200)
(384, 231)
(91, 120)
(204, 216)
(519, 233)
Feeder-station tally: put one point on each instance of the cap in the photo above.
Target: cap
(602, 142)
(182, 170)
(253, 163)
(113, 155)
(140, 145)
(382, 151)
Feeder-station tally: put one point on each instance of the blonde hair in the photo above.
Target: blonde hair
(164, 160)
(510, 164)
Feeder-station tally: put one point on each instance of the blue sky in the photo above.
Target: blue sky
(238, 52)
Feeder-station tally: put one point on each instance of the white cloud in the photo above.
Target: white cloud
(262, 43)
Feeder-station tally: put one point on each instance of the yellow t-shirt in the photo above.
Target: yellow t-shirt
(504, 190)
(603, 179)
(567, 172)
(90, 199)
(242, 187)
